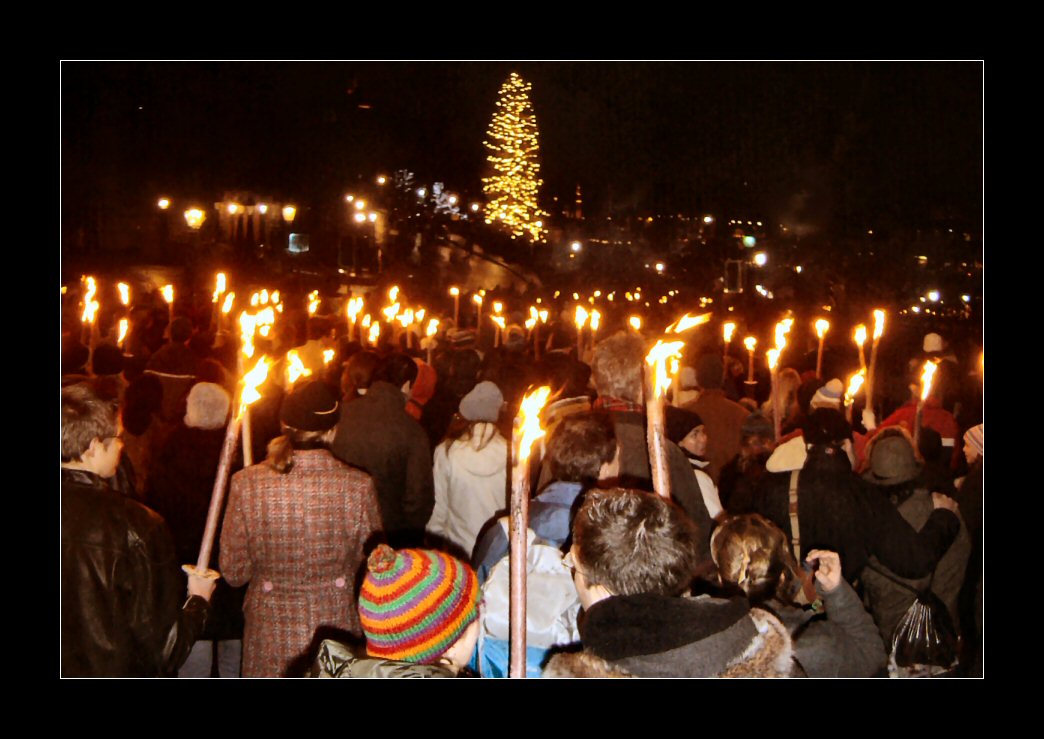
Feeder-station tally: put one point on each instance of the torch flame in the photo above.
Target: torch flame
(581, 317)
(393, 294)
(168, 293)
(295, 368)
(375, 332)
(497, 307)
(328, 355)
(773, 358)
(406, 319)
(530, 323)
(124, 289)
(275, 296)
(657, 359)
(728, 329)
(879, 321)
(529, 420)
(854, 383)
(90, 305)
(433, 327)
(124, 323)
(860, 334)
(420, 315)
(313, 302)
(543, 316)
(822, 326)
(533, 312)
(454, 291)
(926, 379)
(782, 329)
(354, 306)
(635, 323)
(366, 321)
(596, 319)
(686, 322)
(750, 342)
(227, 305)
(499, 320)
(247, 327)
(254, 298)
(219, 285)
(264, 296)
(251, 381)
(476, 299)
(391, 311)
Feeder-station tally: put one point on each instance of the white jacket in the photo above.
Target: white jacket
(470, 485)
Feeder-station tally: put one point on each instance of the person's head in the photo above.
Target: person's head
(207, 406)
(756, 434)
(752, 555)
(710, 372)
(627, 542)
(142, 401)
(308, 417)
(826, 426)
(90, 431)
(360, 370)
(973, 444)
(319, 328)
(398, 370)
(180, 330)
(582, 448)
(828, 395)
(892, 459)
(482, 404)
(107, 360)
(686, 429)
(420, 606)
(617, 367)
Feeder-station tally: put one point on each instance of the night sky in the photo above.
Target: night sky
(845, 144)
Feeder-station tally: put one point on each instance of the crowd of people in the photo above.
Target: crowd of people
(370, 538)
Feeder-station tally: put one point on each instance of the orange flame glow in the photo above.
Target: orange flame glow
(854, 383)
(168, 293)
(393, 294)
(227, 305)
(295, 368)
(580, 317)
(497, 307)
(391, 311)
(635, 322)
(124, 323)
(354, 306)
(366, 321)
(860, 334)
(499, 320)
(686, 322)
(454, 291)
(596, 319)
(879, 322)
(124, 289)
(728, 329)
(528, 421)
(750, 342)
(543, 316)
(433, 327)
(657, 359)
(375, 333)
(328, 355)
(822, 326)
(251, 382)
(772, 355)
(313, 302)
(926, 379)
(782, 329)
(476, 299)
(219, 286)
(90, 305)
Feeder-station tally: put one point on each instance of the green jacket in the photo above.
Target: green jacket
(337, 660)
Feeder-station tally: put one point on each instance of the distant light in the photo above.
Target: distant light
(163, 203)
(966, 298)
(798, 269)
(233, 208)
(262, 209)
(759, 223)
(381, 179)
(372, 217)
(539, 224)
(194, 217)
(360, 217)
(576, 246)
(916, 309)
(749, 241)
(452, 199)
(660, 266)
(708, 219)
(289, 213)
(761, 259)
(349, 198)
(922, 260)
(933, 295)
(870, 232)
(421, 192)
(360, 204)
(475, 207)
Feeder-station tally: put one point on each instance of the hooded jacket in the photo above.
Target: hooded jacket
(470, 485)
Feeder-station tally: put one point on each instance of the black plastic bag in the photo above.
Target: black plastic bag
(924, 642)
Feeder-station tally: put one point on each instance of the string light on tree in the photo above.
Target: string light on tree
(514, 185)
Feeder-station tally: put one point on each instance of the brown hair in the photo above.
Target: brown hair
(579, 446)
(85, 417)
(752, 555)
(281, 448)
(617, 367)
(632, 542)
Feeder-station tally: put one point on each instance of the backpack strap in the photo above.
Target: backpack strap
(795, 529)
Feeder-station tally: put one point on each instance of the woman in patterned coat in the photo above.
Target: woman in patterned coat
(295, 529)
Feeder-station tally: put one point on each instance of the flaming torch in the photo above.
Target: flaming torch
(124, 290)
(168, 293)
(90, 309)
(871, 375)
(926, 390)
(526, 431)
(328, 355)
(727, 329)
(499, 322)
(751, 344)
(123, 331)
(477, 300)
(354, 307)
(375, 332)
(455, 292)
(854, 383)
(657, 382)
(432, 330)
(295, 368)
(248, 395)
(580, 319)
(219, 286)
(313, 302)
(684, 323)
(822, 326)
(635, 322)
(772, 355)
(860, 339)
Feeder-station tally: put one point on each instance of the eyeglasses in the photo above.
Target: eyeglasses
(570, 563)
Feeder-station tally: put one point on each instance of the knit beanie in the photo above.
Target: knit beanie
(678, 422)
(415, 603)
(973, 436)
(828, 396)
(482, 403)
(710, 372)
(206, 406)
(757, 424)
(310, 406)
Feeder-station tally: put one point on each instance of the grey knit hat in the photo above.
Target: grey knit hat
(207, 406)
(828, 396)
(482, 403)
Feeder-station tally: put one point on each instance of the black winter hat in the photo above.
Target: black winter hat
(310, 407)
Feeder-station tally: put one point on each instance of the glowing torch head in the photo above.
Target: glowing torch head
(433, 327)
(393, 293)
(750, 342)
(657, 358)
(728, 329)
(168, 293)
(879, 322)
(476, 299)
(822, 326)
(854, 383)
(773, 358)
(124, 289)
(252, 380)
(124, 323)
(543, 316)
(227, 305)
(219, 285)
(328, 355)
(313, 302)
(635, 322)
(528, 420)
(375, 333)
(366, 321)
(581, 317)
(295, 368)
(499, 320)
(860, 334)
(497, 307)
(926, 379)
(596, 319)
(454, 291)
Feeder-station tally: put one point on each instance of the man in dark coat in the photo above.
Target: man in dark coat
(722, 418)
(377, 435)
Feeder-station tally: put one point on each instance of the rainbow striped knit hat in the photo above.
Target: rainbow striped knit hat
(415, 603)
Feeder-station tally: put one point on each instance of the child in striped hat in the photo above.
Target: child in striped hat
(419, 606)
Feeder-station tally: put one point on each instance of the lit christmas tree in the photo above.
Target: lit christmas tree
(514, 186)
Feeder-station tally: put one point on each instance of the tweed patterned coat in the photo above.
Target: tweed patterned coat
(298, 539)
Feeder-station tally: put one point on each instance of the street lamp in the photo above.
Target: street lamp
(194, 217)
(163, 203)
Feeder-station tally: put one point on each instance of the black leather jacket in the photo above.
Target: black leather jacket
(122, 587)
